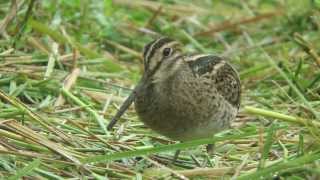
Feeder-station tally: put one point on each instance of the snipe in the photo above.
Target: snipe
(184, 97)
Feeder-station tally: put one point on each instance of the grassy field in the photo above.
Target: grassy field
(66, 67)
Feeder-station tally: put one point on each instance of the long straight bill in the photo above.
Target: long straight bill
(123, 107)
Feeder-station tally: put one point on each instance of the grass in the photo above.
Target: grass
(66, 67)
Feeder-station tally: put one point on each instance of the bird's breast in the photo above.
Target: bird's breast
(182, 108)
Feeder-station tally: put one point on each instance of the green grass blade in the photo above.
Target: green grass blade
(284, 165)
(26, 170)
(100, 120)
(163, 148)
(267, 146)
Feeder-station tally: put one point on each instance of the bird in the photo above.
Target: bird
(184, 96)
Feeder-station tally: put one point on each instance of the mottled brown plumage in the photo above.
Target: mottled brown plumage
(185, 97)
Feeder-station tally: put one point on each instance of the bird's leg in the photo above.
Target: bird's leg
(210, 152)
(210, 149)
(175, 157)
(124, 107)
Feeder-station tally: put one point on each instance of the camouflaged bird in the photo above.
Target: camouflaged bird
(184, 97)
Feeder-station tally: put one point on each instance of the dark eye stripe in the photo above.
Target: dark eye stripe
(172, 63)
(151, 49)
(147, 48)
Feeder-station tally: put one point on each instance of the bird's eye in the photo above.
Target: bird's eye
(167, 51)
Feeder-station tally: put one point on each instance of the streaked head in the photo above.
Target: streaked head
(161, 56)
